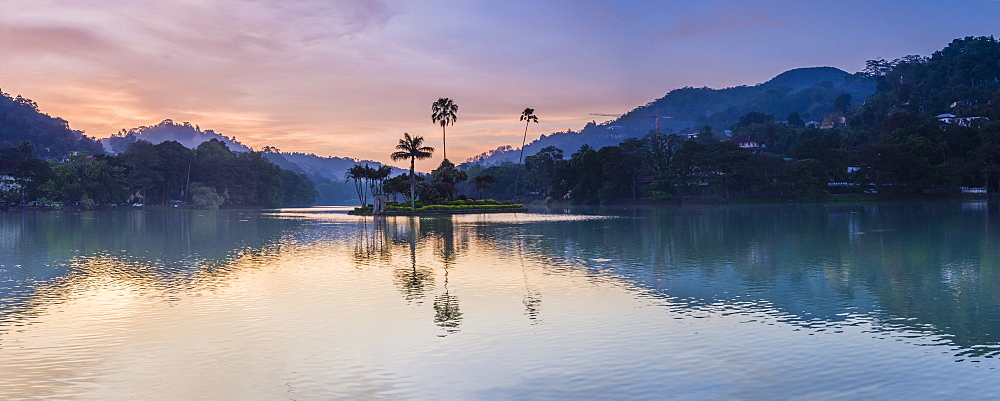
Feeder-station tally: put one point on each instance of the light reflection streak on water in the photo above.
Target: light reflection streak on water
(294, 318)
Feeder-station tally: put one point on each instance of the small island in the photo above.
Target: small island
(435, 197)
(468, 206)
(439, 195)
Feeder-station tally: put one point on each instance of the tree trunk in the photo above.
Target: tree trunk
(517, 175)
(413, 197)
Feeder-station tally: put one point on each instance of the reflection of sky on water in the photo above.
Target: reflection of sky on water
(160, 251)
(606, 304)
(815, 267)
(806, 264)
(919, 268)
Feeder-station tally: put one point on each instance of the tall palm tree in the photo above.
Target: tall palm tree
(528, 116)
(443, 112)
(379, 177)
(357, 173)
(412, 148)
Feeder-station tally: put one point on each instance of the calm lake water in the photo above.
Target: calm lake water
(870, 301)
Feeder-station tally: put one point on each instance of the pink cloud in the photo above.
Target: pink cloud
(51, 39)
(720, 27)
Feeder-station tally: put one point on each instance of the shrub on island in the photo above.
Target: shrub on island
(458, 206)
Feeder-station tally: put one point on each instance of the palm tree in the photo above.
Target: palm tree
(443, 112)
(26, 149)
(528, 116)
(357, 173)
(411, 148)
(379, 177)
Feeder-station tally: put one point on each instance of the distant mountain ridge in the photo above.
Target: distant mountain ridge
(802, 78)
(332, 168)
(167, 130)
(808, 91)
(329, 167)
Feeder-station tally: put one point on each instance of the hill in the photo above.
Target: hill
(191, 136)
(46, 136)
(810, 92)
(331, 167)
(963, 79)
(931, 129)
(167, 130)
(327, 173)
(803, 78)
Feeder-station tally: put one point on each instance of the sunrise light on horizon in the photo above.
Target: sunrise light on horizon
(348, 78)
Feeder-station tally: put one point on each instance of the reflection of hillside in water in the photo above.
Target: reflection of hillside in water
(924, 268)
(168, 237)
(48, 255)
(920, 267)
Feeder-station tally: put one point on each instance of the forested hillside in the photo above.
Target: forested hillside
(930, 128)
(209, 176)
(809, 92)
(327, 173)
(43, 160)
(911, 126)
(25, 129)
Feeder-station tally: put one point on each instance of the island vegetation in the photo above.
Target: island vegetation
(436, 196)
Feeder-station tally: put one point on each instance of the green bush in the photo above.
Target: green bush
(205, 197)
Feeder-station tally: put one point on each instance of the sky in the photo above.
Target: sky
(348, 77)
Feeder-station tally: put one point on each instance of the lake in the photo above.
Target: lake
(783, 301)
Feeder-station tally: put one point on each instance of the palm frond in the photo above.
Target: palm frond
(444, 111)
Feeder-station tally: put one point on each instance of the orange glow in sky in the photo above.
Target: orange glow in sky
(349, 77)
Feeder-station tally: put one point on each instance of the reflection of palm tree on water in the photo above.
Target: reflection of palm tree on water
(414, 279)
(446, 313)
(442, 229)
(368, 245)
(532, 299)
(411, 280)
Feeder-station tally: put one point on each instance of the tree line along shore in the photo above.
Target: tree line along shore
(932, 127)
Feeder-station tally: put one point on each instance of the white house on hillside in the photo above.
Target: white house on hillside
(8, 184)
(951, 119)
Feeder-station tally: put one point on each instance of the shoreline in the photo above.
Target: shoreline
(829, 199)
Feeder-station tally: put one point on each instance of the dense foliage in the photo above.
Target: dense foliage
(441, 189)
(909, 126)
(931, 127)
(21, 122)
(810, 93)
(457, 206)
(210, 176)
(326, 173)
